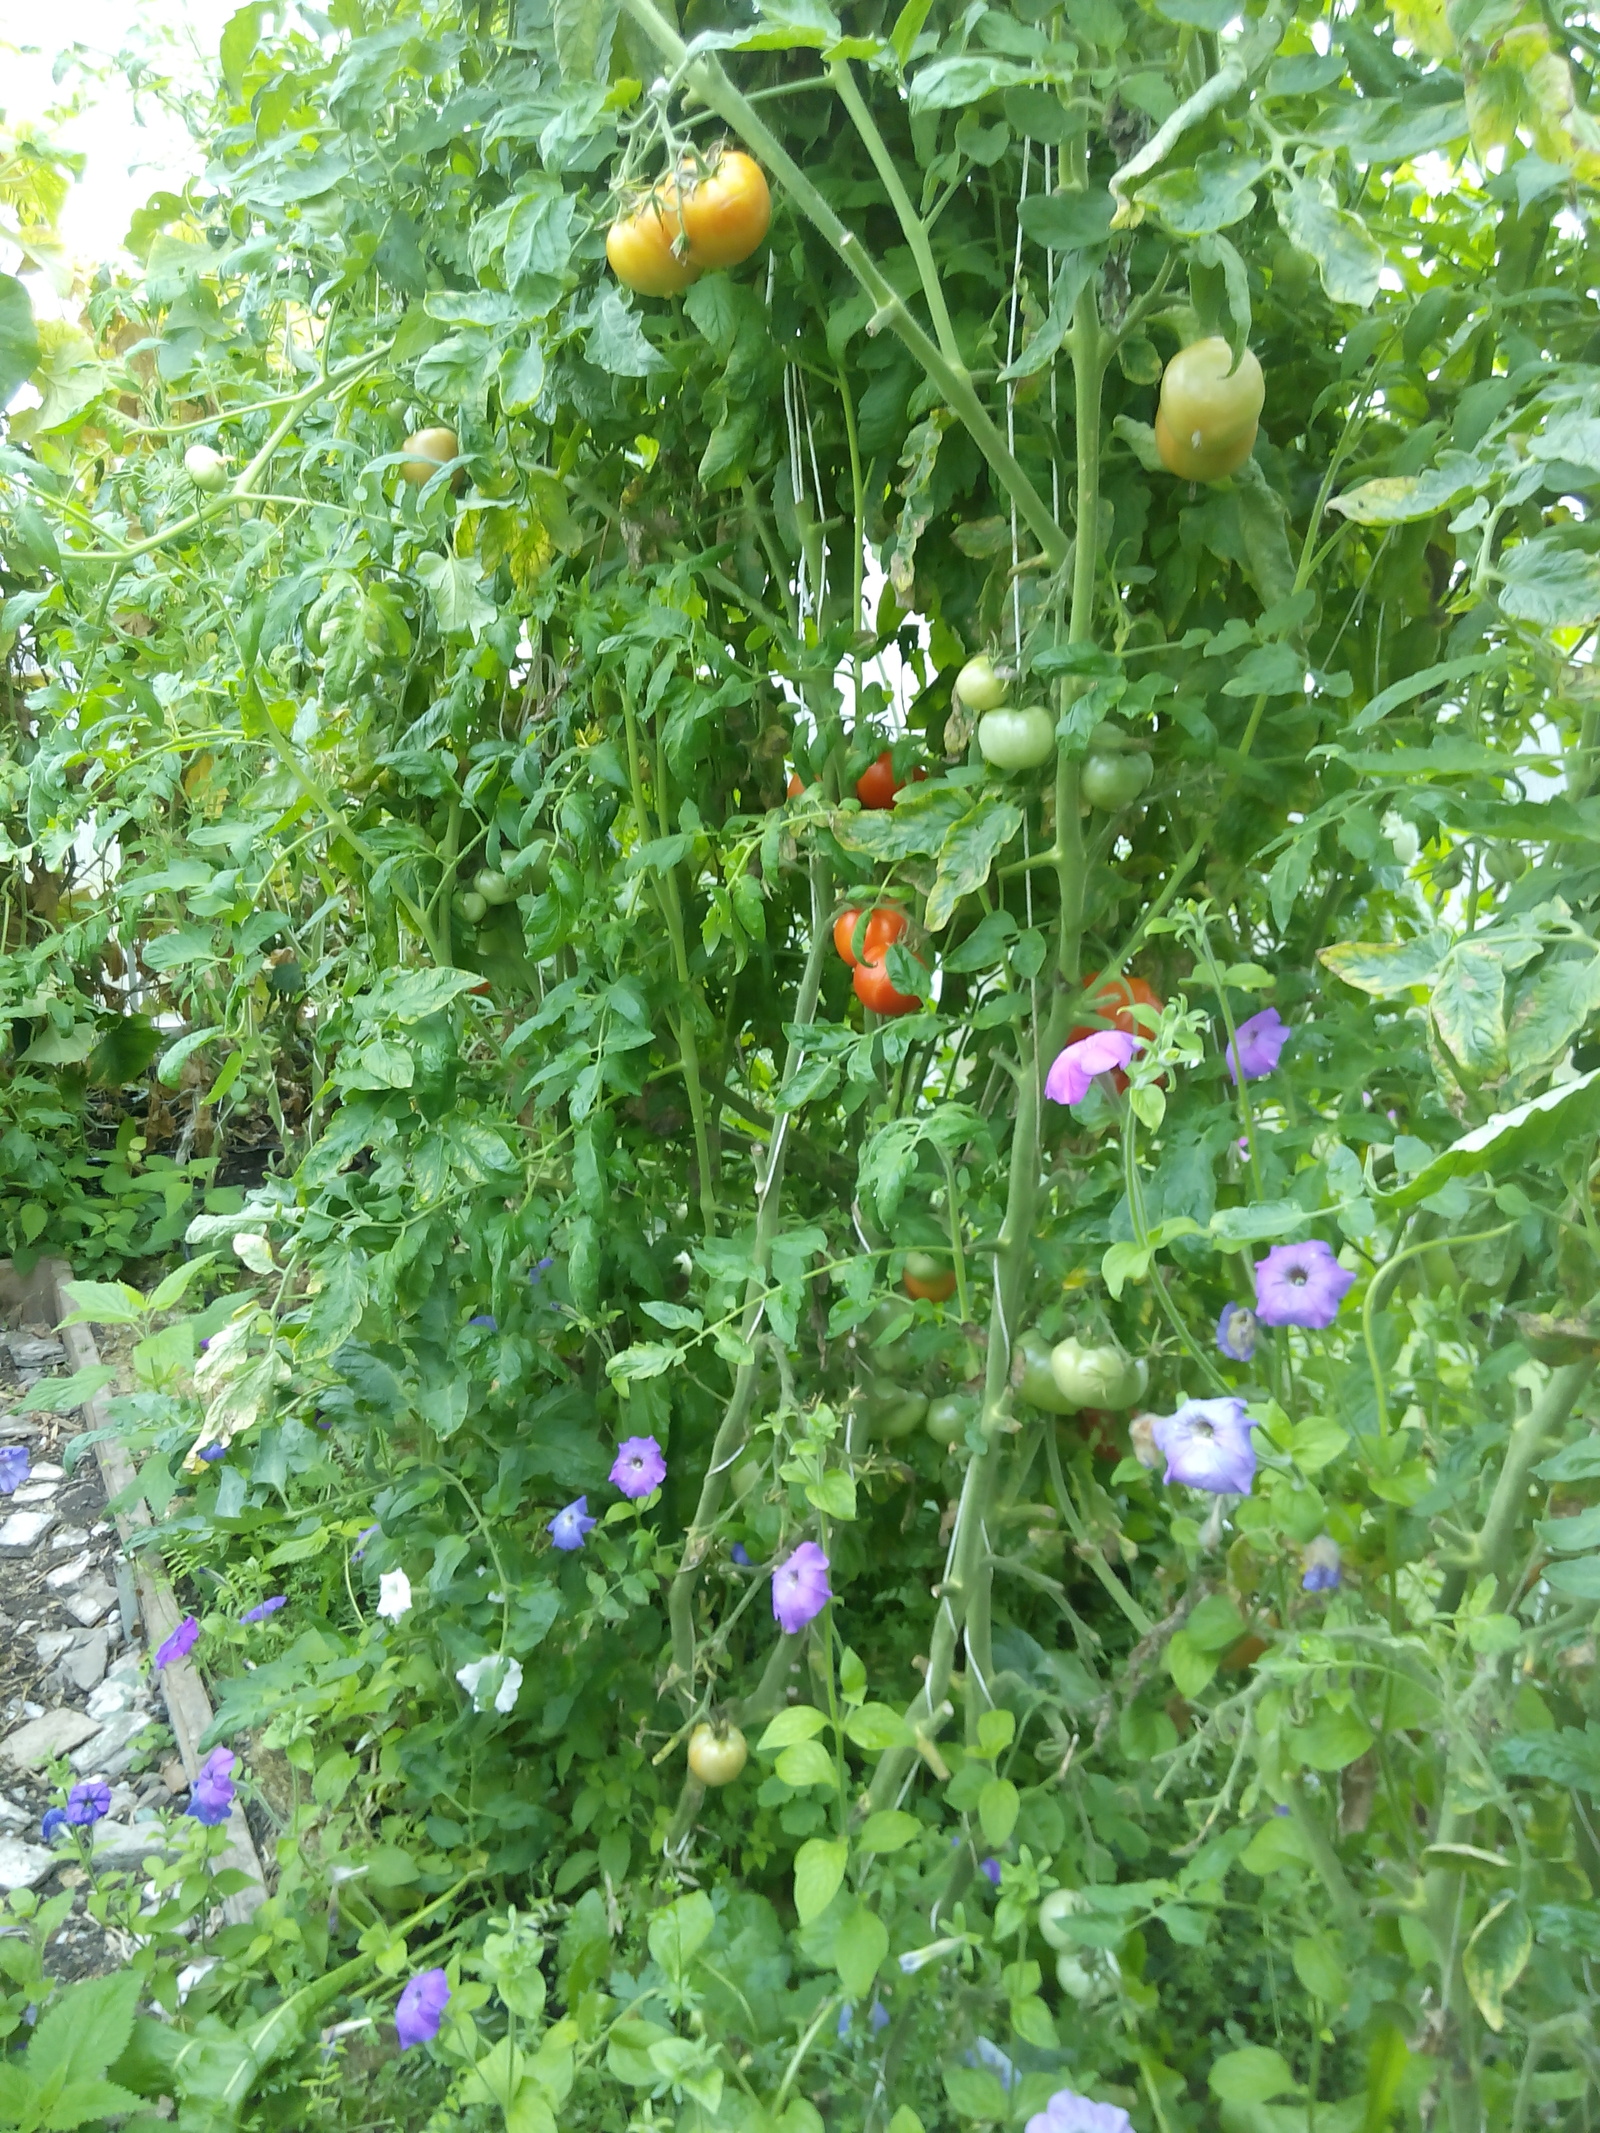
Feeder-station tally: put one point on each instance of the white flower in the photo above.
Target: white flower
(502, 1674)
(394, 1595)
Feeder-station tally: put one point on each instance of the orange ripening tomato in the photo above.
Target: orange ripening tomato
(1114, 1002)
(885, 923)
(877, 784)
(640, 246)
(927, 1279)
(796, 785)
(726, 212)
(875, 988)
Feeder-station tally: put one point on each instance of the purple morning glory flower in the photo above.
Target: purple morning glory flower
(210, 1453)
(990, 1870)
(1106, 1051)
(421, 2008)
(639, 1468)
(1068, 2112)
(1300, 1285)
(800, 1588)
(55, 1821)
(1321, 1561)
(1236, 1332)
(1207, 1445)
(211, 1794)
(570, 1528)
(267, 1607)
(360, 1548)
(536, 1271)
(485, 1318)
(181, 1643)
(740, 1554)
(88, 1803)
(13, 1467)
(1258, 1045)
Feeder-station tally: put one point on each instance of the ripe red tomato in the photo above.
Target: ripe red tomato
(928, 1278)
(875, 988)
(885, 923)
(796, 785)
(717, 1756)
(877, 784)
(1114, 1002)
(640, 247)
(727, 212)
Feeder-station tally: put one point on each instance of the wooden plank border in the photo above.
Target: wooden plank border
(41, 1295)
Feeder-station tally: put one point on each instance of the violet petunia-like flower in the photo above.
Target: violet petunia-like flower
(1300, 1285)
(88, 1803)
(266, 1607)
(571, 1527)
(740, 1554)
(181, 1643)
(55, 1821)
(1321, 1564)
(990, 1870)
(485, 1318)
(13, 1468)
(1207, 1445)
(1236, 1332)
(1258, 1045)
(800, 1588)
(1068, 2112)
(421, 2008)
(211, 1453)
(211, 1794)
(1107, 1051)
(360, 1548)
(639, 1469)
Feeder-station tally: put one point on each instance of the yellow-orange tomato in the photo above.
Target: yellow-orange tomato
(1206, 423)
(727, 212)
(927, 1277)
(428, 451)
(717, 1756)
(641, 248)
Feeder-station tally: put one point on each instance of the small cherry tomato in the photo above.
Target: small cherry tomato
(1033, 1378)
(947, 1419)
(979, 686)
(208, 470)
(427, 451)
(1114, 1002)
(1097, 1377)
(717, 1754)
(474, 907)
(1054, 1911)
(642, 249)
(875, 988)
(894, 1410)
(1017, 740)
(492, 886)
(1113, 781)
(928, 1277)
(877, 784)
(1504, 863)
(1206, 422)
(727, 212)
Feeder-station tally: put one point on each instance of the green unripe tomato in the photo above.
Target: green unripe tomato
(1097, 1377)
(1034, 1379)
(1017, 740)
(979, 686)
(1113, 781)
(948, 1419)
(208, 470)
(1505, 863)
(492, 886)
(473, 907)
(894, 1411)
(1054, 1911)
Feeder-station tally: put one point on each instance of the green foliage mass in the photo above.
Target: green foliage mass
(420, 897)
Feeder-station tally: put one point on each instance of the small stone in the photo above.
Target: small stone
(11, 1812)
(174, 1776)
(70, 1537)
(100, 1528)
(110, 1752)
(125, 1844)
(83, 1668)
(73, 1573)
(34, 1492)
(23, 1866)
(115, 1693)
(44, 1471)
(22, 1532)
(55, 1733)
(51, 1643)
(34, 1351)
(94, 1602)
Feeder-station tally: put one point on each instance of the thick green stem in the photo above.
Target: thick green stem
(708, 80)
(1491, 1551)
(1088, 374)
(911, 222)
(1325, 1859)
